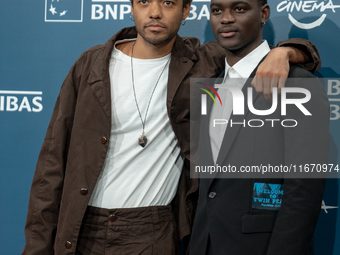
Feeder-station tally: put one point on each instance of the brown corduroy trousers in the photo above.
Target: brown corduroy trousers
(143, 230)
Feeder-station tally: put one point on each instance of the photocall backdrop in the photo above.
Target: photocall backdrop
(39, 42)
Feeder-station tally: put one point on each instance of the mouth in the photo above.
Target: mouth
(227, 32)
(155, 27)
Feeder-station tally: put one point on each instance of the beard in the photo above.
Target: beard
(157, 37)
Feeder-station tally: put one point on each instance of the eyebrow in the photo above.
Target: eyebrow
(240, 2)
(214, 4)
(233, 3)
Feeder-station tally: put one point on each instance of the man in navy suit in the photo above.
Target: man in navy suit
(277, 214)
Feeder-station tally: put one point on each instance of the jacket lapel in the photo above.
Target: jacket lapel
(99, 77)
(232, 132)
(100, 84)
(182, 60)
(205, 151)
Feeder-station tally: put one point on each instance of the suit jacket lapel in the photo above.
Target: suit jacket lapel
(205, 153)
(231, 132)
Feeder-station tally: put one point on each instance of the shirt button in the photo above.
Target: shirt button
(103, 140)
(112, 217)
(68, 245)
(212, 194)
(232, 71)
(84, 191)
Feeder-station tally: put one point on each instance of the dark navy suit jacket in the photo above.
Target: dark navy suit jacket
(226, 214)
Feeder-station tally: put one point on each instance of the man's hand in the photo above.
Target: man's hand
(273, 71)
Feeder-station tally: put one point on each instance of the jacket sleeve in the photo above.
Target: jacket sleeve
(47, 185)
(306, 47)
(307, 143)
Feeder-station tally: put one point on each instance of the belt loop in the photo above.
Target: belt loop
(155, 217)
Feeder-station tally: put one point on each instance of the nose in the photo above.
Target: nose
(155, 11)
(227, 18)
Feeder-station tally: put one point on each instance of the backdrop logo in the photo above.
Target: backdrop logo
(327, 207)
(333, 93)
(64, 10)
(20, 101)
(313, 6)
(121, 10)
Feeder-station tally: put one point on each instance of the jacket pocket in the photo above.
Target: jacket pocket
(258, 223)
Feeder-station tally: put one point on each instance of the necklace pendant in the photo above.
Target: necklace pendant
(142, 140)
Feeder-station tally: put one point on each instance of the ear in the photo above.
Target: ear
(265, 13)
(186, 11)
(131, 10)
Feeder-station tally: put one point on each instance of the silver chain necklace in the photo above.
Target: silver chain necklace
(142, 140)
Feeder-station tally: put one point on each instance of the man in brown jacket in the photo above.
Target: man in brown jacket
(109, 177)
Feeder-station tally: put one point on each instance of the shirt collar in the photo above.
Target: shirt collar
(246, 65)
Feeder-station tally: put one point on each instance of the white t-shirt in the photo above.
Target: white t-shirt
(134, 176)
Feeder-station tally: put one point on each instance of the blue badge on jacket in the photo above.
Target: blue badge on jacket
(267, 196)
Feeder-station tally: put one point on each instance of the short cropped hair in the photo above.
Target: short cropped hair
(262, 2)
(185, 2)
